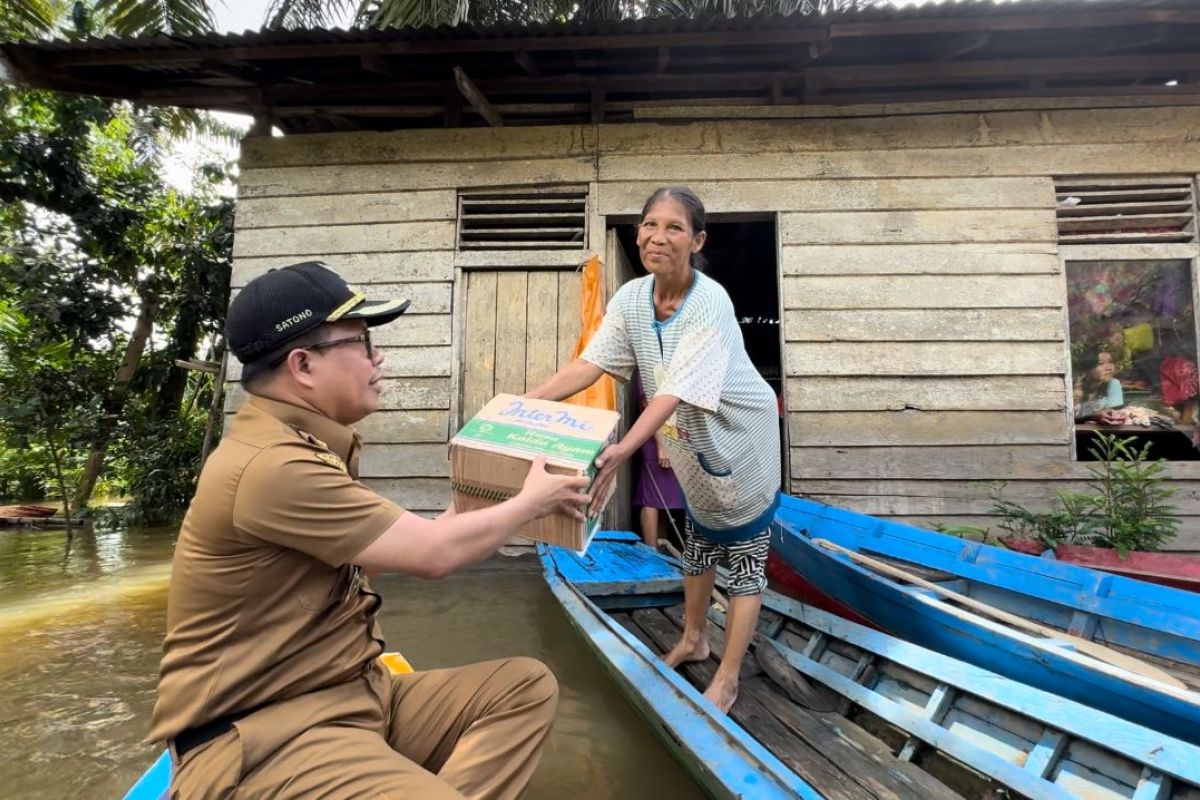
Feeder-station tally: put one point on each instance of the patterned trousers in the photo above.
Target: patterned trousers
(746, 560)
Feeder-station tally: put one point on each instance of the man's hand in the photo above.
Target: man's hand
(546, 493)
(608, 462)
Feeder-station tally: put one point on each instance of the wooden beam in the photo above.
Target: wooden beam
(379, 65)
(527, 64)
(1158, 36)
(251, 75)
(477, 99)
(663, 61)
(263, 121)
(1005, 68)
(323, 50)
(962, 45)
(453, 115)
(200, 366)
(1023, 22)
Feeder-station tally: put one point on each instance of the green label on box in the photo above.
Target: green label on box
(552, 445)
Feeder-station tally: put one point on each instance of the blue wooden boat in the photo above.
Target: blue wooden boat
(853, 557)
(829, 708)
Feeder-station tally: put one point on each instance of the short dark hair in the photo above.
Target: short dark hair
(260, 369)
(695, 211)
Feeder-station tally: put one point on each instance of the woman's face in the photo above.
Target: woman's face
(665, 238)
(1105, 367)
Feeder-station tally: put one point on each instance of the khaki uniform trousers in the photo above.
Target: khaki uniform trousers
(468, 732)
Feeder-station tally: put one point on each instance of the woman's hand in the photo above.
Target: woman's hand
(664, 458)
(608, 462)
(1111, 416)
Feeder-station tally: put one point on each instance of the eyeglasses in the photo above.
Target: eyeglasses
(364, 337)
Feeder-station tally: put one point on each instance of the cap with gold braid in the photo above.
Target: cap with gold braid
(282, 304)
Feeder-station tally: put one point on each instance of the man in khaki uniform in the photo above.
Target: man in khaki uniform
(270, 683)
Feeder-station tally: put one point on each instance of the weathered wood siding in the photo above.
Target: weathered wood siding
(921, 279)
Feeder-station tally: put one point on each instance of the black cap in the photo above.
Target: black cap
(285, 303)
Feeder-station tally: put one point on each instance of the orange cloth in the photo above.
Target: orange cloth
(602, 393)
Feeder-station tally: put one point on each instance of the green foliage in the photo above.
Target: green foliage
(416, 13)
(91, 238)
(39, 18)
(1126, 508)
(159, 463)
(1131, 498)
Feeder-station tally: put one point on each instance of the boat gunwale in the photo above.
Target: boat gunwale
(758, 759)
(1157, 607)
(1071, 717)
(1043, 645)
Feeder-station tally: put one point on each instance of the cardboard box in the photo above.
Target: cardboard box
(491, 455)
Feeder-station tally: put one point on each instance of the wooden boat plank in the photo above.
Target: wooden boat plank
(869, 774)
(1046, 753)
(812, 696)
(934, 735)
(716, 641)
(1120, 774)
(611, 568)
(1153, 786)
(1140, 743)
(831, 734)
(809, 764)
(870, 746)
(1000, 649)
(720, 756)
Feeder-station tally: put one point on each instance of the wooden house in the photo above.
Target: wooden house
(917, 212)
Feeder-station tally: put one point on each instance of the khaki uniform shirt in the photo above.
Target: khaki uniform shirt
(264, 604)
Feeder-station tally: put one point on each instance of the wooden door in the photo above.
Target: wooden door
(519, 327)
(619, 515)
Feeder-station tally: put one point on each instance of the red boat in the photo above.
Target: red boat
(1166, 569)
(786, 580)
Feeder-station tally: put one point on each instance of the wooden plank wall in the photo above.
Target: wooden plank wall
(381, 209)
(921, 280)
(922, 288)
(520, 326)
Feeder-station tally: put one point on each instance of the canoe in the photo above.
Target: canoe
(1123, 646)
(156, 781)
(1166, 569)
(832, 709)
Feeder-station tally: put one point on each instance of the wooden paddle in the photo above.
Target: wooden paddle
(1096, 651)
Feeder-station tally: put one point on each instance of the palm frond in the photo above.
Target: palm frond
(308, 13)
(30, 19)
(133, 17)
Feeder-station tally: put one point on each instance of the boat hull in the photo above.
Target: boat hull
(916, 616)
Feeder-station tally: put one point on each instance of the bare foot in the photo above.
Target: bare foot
(722, 693)
(686, 651)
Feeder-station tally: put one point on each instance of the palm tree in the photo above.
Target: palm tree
(36, 18)
(416, 13)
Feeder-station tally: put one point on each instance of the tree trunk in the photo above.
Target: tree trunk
(114, 404)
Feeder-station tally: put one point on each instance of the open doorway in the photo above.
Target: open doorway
(742, 257)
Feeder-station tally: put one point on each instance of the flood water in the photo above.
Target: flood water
(79, 650)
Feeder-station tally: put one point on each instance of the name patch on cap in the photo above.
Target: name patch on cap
(294, 319)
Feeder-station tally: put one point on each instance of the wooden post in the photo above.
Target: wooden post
(477, 99)
(215, 409)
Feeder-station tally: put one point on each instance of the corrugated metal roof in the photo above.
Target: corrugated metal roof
(953, 9)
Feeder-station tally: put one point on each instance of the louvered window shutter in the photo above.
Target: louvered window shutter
(550, 220)
(1104, 211)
